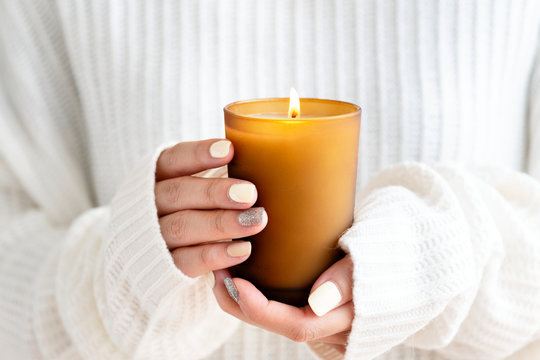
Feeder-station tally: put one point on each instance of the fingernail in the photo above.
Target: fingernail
(251, 217)
(239, 249)
(242, 193)
(231, 288)
(220, 149)
(210, 279)
(325, 298)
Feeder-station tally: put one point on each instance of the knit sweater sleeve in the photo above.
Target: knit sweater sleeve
(78, 281)
(446, 259)
(103, 286)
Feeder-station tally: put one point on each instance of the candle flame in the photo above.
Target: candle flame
(294, 104)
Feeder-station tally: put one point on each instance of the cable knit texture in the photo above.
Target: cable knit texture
(445, 242)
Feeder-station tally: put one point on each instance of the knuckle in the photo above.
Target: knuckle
(170, 156)
(172, 191)
(207, 256)
(200, 152)
(177, 226)
(219, 222)
(302, 334)
(210, 192)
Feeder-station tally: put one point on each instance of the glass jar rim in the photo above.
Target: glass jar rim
(356, 110)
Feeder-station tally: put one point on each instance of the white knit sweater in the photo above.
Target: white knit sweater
(447, 257)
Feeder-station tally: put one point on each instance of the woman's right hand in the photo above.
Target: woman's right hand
(196, 214)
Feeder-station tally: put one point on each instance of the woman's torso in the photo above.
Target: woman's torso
(437, 80)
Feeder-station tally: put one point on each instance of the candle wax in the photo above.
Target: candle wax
(305, 172)
(285, 116)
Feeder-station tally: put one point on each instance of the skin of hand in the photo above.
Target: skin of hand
(330, 297)
(199, 216)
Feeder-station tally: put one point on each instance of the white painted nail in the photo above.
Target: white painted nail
(325, 298)
(239, 249)
(220, 149)
(210, 279)
(242, 193)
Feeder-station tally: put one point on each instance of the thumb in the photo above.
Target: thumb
(333, 288)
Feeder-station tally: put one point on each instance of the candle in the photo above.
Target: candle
(303, 164)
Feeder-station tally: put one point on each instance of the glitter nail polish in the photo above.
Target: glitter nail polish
(253, 216)
(231, 288)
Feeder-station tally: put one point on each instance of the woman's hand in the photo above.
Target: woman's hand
(194, 212)
(327, 319)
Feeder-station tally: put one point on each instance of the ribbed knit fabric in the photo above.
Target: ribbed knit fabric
(446, 257)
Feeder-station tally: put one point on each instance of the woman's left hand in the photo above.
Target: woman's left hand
(328, 317)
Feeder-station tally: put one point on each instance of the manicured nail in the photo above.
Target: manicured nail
(210, 280)
(242, 193)
(325, 298)
(231, 288)
(239, 249)
(220, 149)
(251, 217)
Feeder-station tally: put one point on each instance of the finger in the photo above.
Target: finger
(333, 288)
(198, 260)
(298, 324)
(339, 338)
(317, 345)
(340, 348)
(188, 158)
(224, 300)
(188, 192)
(192, 227)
